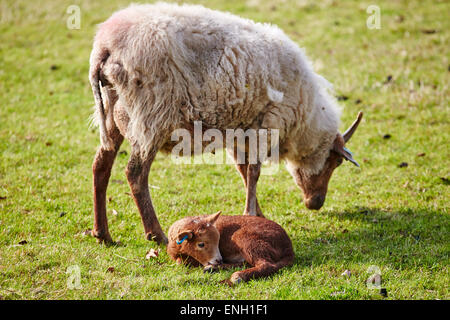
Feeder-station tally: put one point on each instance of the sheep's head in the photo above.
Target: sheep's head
(199, 239)
(315, 186)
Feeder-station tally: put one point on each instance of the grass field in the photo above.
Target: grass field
(385, 215)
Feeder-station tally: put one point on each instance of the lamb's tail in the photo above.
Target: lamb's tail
(287, 258)
(98, 57)
(286, 261)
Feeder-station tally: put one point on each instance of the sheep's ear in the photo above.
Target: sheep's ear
(184, 235)
(213, 218)
(343, 151)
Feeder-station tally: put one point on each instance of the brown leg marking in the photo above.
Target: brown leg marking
(250, 174)
(188, 261)
(137, 174)
(101, 168)
(226, 266)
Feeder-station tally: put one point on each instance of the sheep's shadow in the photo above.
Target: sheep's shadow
(406, 237)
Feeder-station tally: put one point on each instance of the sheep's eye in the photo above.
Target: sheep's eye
(201, 244)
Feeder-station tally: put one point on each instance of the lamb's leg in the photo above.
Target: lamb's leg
(188, 261)
(101, 168)
(223, 266)
(251, 198)
(137, 174)
(251, 208)
(262, 268)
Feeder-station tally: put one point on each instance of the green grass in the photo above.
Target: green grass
(382, 215)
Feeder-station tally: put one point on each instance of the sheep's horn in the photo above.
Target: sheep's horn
(348, 134)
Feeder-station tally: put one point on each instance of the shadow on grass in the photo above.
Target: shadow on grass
(399, 238)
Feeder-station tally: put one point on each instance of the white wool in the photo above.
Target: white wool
(173, 65)
(274, 95)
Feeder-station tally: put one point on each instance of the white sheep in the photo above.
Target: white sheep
(157, 68)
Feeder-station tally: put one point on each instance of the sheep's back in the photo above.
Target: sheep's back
(212, 66)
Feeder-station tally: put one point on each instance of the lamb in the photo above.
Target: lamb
(161, 67)
(222, 242)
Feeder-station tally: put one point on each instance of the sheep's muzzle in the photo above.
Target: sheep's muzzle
(315, 202)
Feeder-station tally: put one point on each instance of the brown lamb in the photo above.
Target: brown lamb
(222, 242)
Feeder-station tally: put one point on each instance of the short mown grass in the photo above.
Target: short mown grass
(385, 215)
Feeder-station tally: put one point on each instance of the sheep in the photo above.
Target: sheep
(223, 242)
(162, 67)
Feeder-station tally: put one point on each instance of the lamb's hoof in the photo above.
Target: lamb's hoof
(103, 237)
(160, 239)
(236, 278)
(210, 269)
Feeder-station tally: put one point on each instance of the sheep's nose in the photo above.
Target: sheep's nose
(315, 202)
(218, 261)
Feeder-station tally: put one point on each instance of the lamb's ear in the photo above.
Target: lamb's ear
(213, 218)
(184, 235)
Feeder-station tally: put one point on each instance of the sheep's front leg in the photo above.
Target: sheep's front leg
(250, 174)
(137, 174)
(101, 169)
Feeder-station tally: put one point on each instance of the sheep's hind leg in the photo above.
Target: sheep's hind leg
(101, 168)
(137, 174)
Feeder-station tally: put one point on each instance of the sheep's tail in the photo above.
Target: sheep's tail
(98, 57)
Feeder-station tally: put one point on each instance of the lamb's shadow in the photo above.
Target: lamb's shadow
(405, 237)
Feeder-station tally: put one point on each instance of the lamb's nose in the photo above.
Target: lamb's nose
(218, 261)
(315, 202)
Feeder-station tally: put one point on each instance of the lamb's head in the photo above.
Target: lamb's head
(198, 238)
(315, 185)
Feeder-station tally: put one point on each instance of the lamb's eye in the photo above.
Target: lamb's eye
(201, 244)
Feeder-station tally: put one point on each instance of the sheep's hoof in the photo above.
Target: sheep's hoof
(210, 269)
(236, 278)
(160, 239)
(255, 214)
(103, 237)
